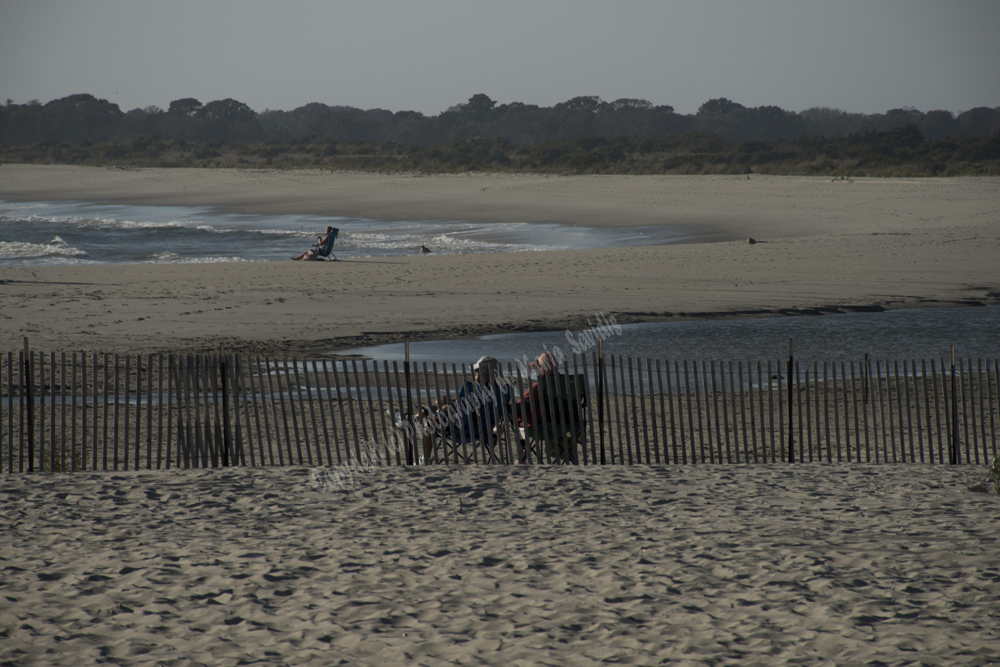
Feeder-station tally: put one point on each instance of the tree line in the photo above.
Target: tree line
(582, 136)
(898, 152)
(85, 118)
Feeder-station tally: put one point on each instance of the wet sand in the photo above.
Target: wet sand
(822, 246)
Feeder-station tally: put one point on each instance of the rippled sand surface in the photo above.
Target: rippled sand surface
(802, 564)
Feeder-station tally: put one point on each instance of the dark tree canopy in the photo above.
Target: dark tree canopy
(188, 107)
(82, 117)
(718, 107)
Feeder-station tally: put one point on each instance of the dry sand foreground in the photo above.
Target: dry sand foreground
(805, 564)
(835, 245)
(768, 565)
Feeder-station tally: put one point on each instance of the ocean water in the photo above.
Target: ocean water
(61, 233)
(69, 233)
(924, 333)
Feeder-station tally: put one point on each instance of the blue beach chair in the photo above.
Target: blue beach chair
(326, 251)
(476, 426)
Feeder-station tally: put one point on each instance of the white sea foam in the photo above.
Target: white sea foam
(114, 234)
(23, 250)
(174, 258)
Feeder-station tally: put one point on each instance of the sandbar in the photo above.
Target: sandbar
(822, 245)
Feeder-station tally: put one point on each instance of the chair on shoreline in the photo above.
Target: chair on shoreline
(326, 250)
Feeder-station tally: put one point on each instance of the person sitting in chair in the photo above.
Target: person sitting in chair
(544, 411)
(545, 365)
(482, 401)
(321, 249)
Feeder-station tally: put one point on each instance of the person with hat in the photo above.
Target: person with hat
(481, 402)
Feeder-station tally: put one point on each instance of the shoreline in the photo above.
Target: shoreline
(762, 206)
(580, 323)
(821, 247)
(189, 325)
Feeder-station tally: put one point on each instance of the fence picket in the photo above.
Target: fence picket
(770, 410)
(10, 412)
(897, 412)
(697, 411)
(670, 402)
(373, 442)
(617, 396)
(878, 418)
(781, 415)
(715, 409)
(725, 412)
(753, 417)
(680, 413)
(384, 441)
(836, 409)
(333, 419)
(260, 407)
(408, 456)
(625, 399)
(350, 411)
(687, 393)
(732, 400)
(989, 386)
(969, 444)
(642, 406)
(41, 410)
(312, 413)
(982, 408)
(743, 415)
(590, 403)
(760, 420)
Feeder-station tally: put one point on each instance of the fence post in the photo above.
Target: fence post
(409, 408)
(225, 406)
(791, 412)
(30, 399)
(954, 412)
(864, 385)
(600, 396)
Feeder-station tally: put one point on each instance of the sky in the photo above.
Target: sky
(865, 56)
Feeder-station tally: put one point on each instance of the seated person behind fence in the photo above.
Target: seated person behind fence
(313, 253)
(557, 434)
(531, 401)
(481, 401)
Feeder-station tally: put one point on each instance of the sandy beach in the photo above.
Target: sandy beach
(767, 565)
(822, 246)
(693, 564)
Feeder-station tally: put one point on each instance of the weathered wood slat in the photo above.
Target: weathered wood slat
(892, 411)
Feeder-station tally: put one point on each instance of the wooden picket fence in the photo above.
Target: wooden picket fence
(72, 411)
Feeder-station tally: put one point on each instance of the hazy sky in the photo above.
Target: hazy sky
(426, 55)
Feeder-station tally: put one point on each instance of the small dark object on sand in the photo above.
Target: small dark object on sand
(424, 249)
(751, 240)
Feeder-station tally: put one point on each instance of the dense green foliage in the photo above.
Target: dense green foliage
(582, 135)
(81, 118)
(899, 152)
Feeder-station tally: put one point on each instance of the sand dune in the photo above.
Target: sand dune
(805, 564)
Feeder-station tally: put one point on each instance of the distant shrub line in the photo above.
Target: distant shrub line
(898, 152)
